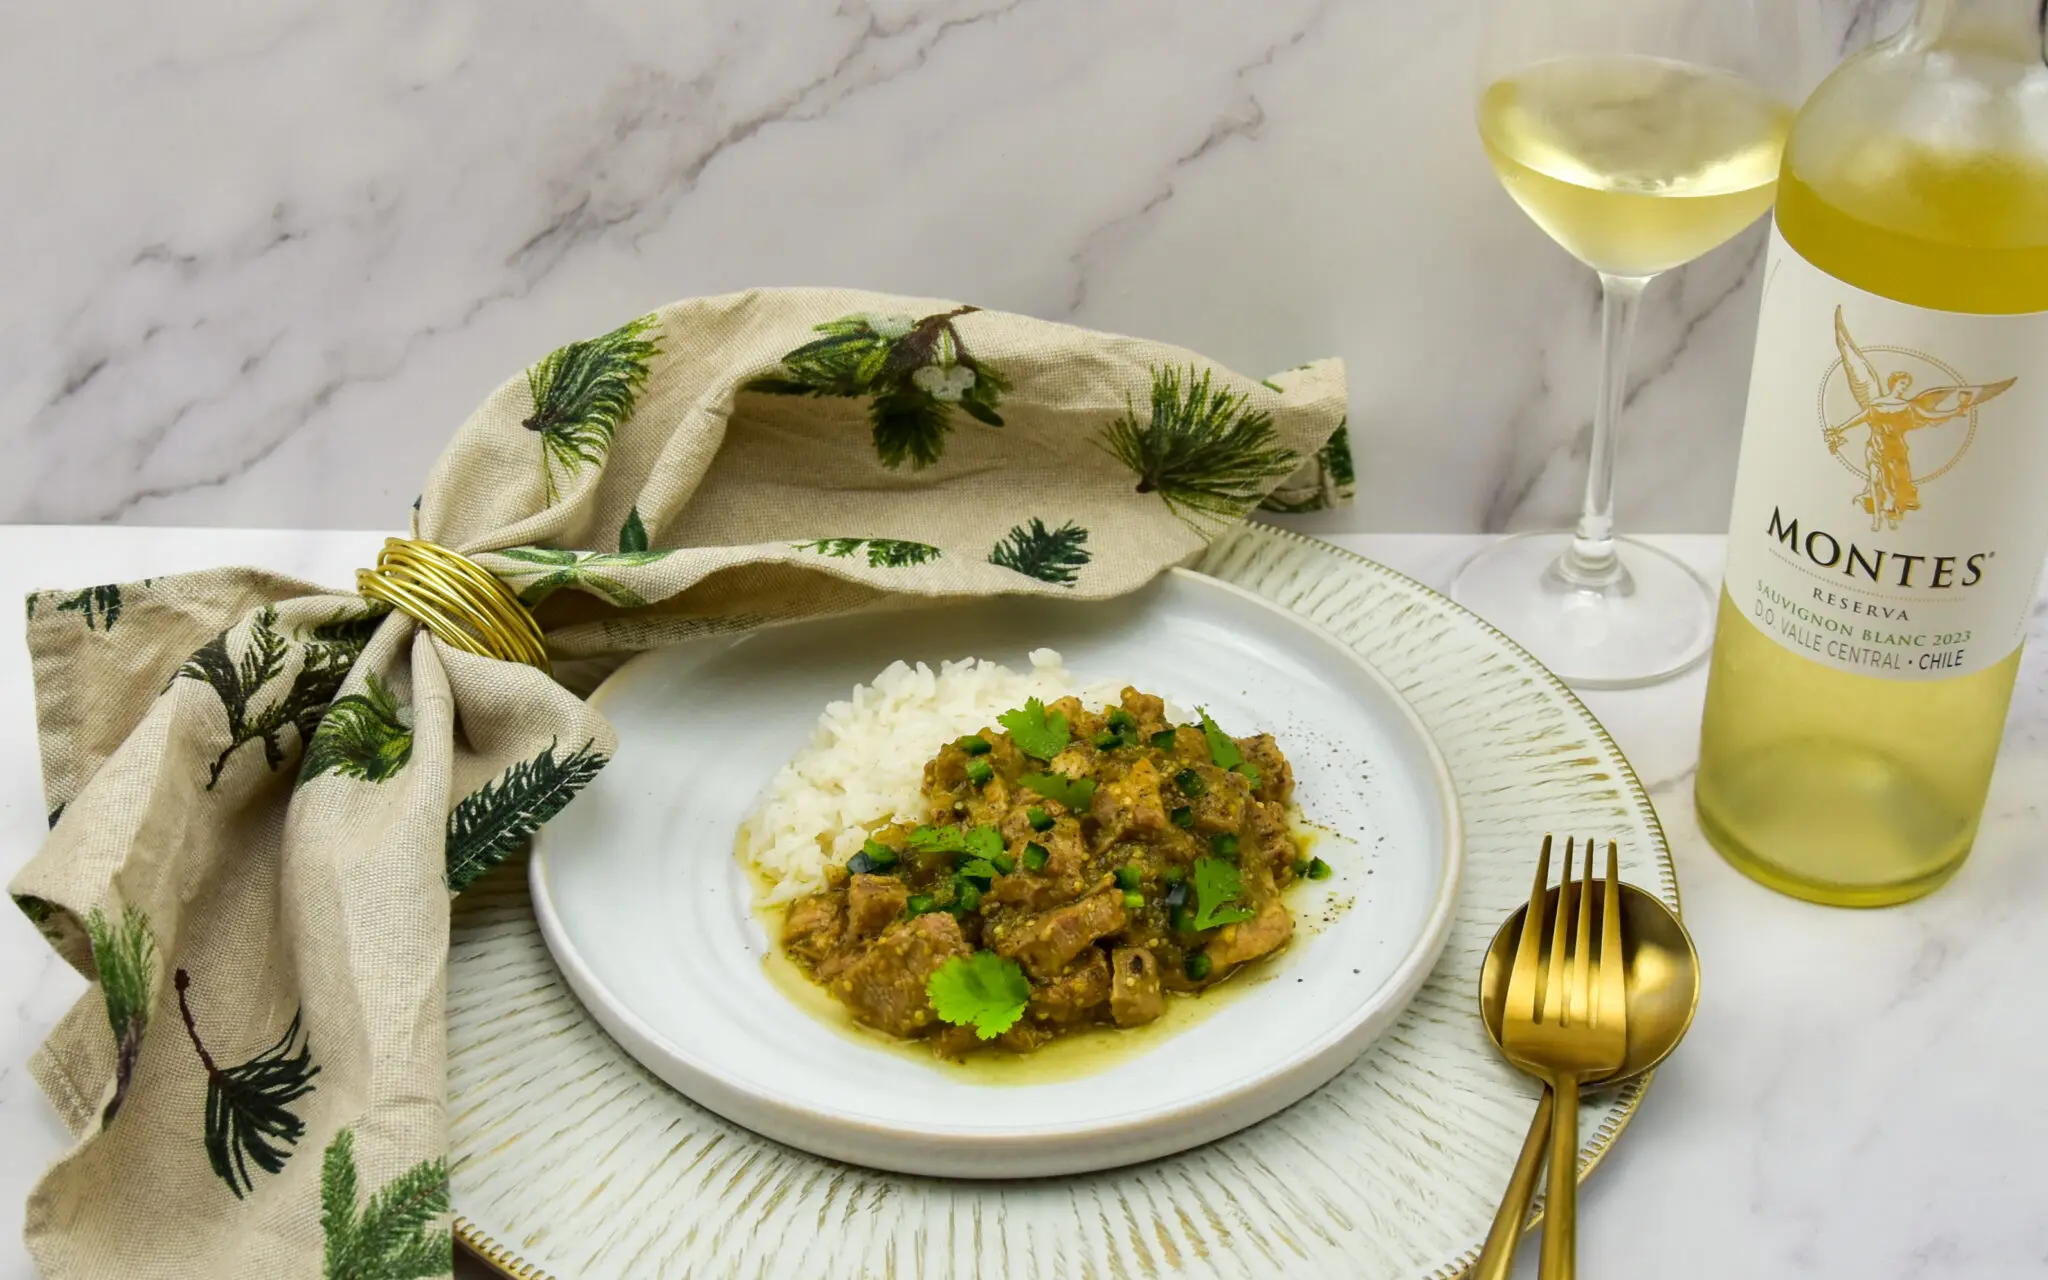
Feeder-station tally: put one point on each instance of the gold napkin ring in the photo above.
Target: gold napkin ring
(453, 597)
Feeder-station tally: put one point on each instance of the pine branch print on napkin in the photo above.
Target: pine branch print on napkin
(492, 821)
(1331, 480)
(881, 553)
(101, 605)
(918, 371)
(243, 681)
(392, 1237)
(249, 1117)
(1049, 555)
(43, 914)
(582, 393)
(633, 533)
(363, 735)
(551, 570)
(1203, 451)
(125, 954)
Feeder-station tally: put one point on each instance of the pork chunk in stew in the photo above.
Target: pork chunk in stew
(1073, 868)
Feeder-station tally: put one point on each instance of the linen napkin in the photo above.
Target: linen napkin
(262, 791)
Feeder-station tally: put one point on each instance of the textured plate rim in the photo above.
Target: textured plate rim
(507, 1263)
(1343, 1041)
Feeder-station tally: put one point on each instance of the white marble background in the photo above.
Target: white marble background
(257, 260)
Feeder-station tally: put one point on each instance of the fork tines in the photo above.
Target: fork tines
(1578, 977)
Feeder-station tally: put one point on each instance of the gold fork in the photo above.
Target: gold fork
(1566, 1022)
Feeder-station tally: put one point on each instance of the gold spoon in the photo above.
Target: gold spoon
(1663, 984)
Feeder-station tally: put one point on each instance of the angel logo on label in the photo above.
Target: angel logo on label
(1873, 388)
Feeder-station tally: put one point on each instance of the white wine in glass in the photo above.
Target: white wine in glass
(1638, 134)
(1634, 164)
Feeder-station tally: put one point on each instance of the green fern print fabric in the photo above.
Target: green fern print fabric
(263, 792)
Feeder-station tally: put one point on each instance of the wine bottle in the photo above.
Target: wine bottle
(1888, 528)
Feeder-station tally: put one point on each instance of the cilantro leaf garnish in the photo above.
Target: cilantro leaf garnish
(1223, 753)
(1217, 888)
(983, 991)
(1037, 733)
(978, 842)
(985, 842)
(1075, 793)
(977, 869)
(938, 840)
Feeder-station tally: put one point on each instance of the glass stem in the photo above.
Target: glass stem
(1590, 560)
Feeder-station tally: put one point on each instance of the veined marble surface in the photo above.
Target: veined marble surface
(1860, 1098)
(260, 260)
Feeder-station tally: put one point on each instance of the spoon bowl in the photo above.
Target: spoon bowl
(1663, 979)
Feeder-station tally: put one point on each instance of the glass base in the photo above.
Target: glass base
(1645, 618)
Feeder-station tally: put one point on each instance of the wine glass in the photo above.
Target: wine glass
(1638, 134)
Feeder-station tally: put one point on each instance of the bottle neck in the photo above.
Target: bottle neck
(2010, 28)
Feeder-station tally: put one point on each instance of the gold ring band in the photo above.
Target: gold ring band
(456, 600)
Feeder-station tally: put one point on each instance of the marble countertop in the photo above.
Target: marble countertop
(1861, 1096)
(261, 259)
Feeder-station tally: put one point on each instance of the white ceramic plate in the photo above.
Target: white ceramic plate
(650, 916)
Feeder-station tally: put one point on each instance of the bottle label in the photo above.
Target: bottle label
(1888, 516)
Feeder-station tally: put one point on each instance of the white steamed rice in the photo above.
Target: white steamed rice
(865, 764)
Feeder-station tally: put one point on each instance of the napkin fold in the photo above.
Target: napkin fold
(262, 791)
